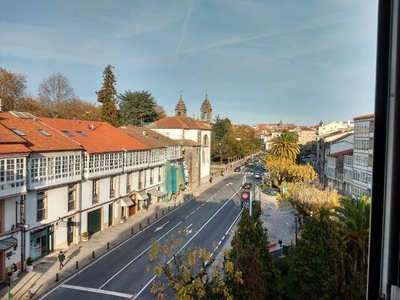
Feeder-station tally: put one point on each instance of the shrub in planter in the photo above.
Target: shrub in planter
(85, 236)
(29, 264)
(29, 261)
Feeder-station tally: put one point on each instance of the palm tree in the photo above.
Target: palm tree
(285, 146)
(353, 218)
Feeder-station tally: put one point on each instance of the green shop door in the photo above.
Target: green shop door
(94, 221)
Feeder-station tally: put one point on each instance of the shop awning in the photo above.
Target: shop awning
(126, 201)
(142, 196)
(7, 243)
(156, 193)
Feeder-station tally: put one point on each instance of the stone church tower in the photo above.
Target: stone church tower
(180, 108)
(206, 111)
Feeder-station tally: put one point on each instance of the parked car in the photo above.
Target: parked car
(238, 169)
(270, 191)
(247, 185)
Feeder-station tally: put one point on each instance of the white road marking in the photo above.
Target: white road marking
(197, 232)
(92, 290)
(161, 227)
(144, 251)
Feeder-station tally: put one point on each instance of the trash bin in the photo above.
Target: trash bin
(285, 250)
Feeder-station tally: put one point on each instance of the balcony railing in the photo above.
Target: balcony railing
(95, 199)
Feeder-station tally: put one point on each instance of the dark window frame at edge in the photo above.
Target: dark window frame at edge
(383, 266)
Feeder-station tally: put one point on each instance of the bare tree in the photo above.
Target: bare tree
(53, 91)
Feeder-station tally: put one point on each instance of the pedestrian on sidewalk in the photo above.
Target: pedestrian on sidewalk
(61, 258)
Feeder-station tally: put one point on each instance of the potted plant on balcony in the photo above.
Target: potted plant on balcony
(144, 207)
(29, 264)
(85, 236)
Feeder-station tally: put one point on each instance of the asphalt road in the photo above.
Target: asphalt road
(121, 274)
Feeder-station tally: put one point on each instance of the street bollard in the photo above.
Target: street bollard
(169, 208)
(131, 230)
(148, 221)
(93, 254)
(108, 246)
(140, 225)
(156, 216)
(57, 278)
(162, 212)
(76, 265)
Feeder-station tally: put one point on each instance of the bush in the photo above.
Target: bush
(29, 261)
(85, 234)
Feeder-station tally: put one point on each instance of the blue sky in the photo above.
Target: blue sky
(259, 61)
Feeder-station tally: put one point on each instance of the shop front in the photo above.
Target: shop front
(41, 242)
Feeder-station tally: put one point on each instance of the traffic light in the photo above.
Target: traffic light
(245, 197)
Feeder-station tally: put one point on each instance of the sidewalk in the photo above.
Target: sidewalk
(32, 285)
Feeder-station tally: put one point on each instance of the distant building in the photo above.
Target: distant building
(334, 127)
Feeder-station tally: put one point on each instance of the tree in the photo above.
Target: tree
(315, 262)
(301, 173)
(137, 108)
(283, 169)
(353, 219)
(12, 89)
(221, 127)
(53, 91)
(307, 198)
(189, 273)
(107, 96)
(250, 256)
(79, 109)
(284, 146)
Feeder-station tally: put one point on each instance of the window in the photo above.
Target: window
(159, 174)
(45, 133)
(67, 133)
(95, 191)
(151, 176)
(113, 184)
(19, 132)
(128, 182)
(41, 202)
(141, 178)
(81, 133)
(71, 197)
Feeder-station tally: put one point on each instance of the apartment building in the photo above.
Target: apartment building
(350, 170)
(62, 178)
(362, 156)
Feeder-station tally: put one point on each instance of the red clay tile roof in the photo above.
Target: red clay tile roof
(364, 117)
(14, 149)
(35, 140)
(340, 153)
(149, 137)
(179, 123)
(100, 137)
